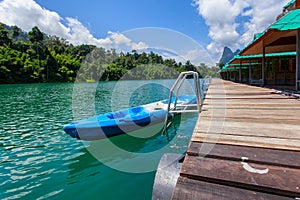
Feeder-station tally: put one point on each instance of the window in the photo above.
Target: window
(293, 65)
(284, 64)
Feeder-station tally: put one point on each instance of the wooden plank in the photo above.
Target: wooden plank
(237, 87)
(263, 128)
(264, 178)
(239, 153)
(253, 119)
(248, 93)
(234, 92)
(251, 124)
(243, 91)
(250, 114)
(227, 102)
(192, 189)
(264, 107)
(267, 133)
(264, 142)
(284, 102)
(249, 105)
(208, 97)
(253, 111)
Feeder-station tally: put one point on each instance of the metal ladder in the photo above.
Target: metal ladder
(183, 108)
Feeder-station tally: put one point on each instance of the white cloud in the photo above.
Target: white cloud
(78, 33)
(198, 56)
(263, 14)
(119, 38)
(141, 46)
(27, 14)
(223, 19)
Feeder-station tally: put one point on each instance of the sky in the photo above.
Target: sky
(195, 30)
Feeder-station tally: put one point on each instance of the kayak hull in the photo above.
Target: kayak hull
(96, 131)
(123, 121)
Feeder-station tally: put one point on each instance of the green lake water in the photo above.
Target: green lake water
(39, 161)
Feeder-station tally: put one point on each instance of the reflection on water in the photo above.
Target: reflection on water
(39, 161)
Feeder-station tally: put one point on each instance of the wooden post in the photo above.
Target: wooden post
(297, 88)
(240, 72)
(234, 73)
(273, 71)
(263, 66)
(250, 71)
(298, 61)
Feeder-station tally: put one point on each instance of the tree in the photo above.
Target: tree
(143, 58)
(34, 57)
(35, 35)
(189, 66)
(59, 45)
(15, 32)
(4, 39)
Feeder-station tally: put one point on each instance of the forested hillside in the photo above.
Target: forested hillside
(36, 57)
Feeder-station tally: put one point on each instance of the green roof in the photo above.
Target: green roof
(230, 69)
(293, 53)
(248, 63)
(257, 35)
(290, 3)
(225, 68)
(291, 21)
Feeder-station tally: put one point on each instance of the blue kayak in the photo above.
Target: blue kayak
(122, 121)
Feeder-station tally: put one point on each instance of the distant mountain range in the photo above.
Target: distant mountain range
(227, 55)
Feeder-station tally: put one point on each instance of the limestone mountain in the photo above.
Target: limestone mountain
(227, 55)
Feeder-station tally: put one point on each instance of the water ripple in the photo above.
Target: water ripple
(39, 161)
(32, 142)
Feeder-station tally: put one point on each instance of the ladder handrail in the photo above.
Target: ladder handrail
(173, 88)
(198, 94)
(177, 92)
(176, 87)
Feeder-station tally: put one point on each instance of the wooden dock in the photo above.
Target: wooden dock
(246, 145)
